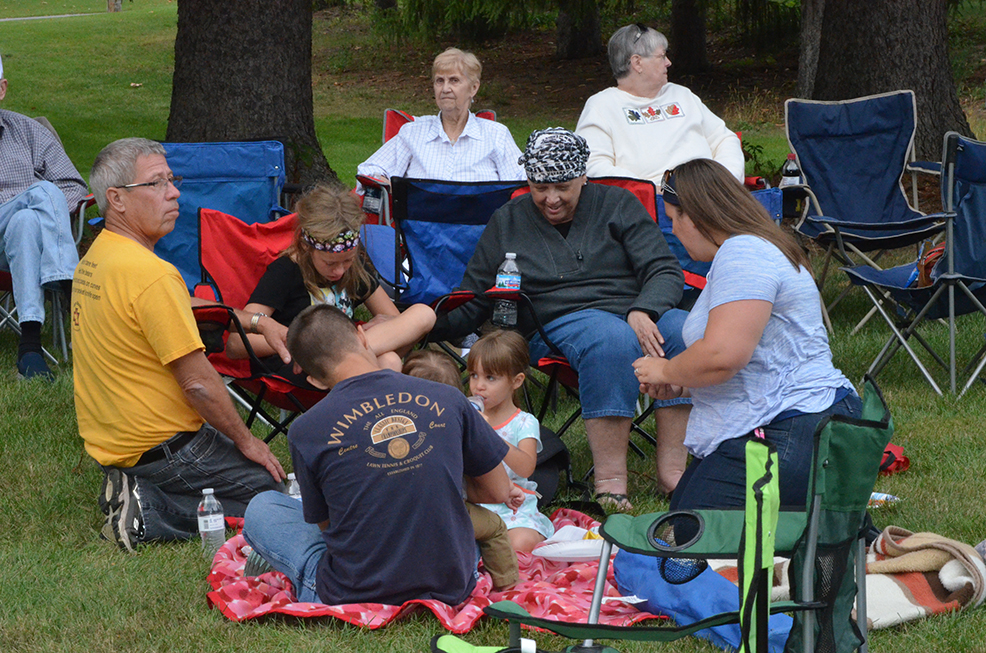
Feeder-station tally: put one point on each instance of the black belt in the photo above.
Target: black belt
(160, 452)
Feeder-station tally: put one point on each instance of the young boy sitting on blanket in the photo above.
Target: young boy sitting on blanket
(490, 530)
(380, 463)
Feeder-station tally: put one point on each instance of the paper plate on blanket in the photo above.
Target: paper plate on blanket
(572, 544)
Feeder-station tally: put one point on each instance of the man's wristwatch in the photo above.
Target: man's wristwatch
(255, 321)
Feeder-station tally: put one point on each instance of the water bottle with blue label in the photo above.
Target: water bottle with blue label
(508, 278)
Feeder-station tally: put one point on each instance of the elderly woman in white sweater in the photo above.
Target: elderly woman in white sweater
(645, 124)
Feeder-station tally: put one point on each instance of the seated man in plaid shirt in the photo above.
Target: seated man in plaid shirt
(38, 183)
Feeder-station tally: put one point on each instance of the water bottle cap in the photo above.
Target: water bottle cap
(511, 255)
(291, 476)
(791, 156)
(207, 490)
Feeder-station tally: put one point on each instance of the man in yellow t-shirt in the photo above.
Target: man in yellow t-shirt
(152, 410)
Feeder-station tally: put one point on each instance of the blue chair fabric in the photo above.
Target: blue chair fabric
(852, 155)
(439, 224)
(238, 178)
(958, 279)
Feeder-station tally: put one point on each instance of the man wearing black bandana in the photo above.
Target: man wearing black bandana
(604, 283)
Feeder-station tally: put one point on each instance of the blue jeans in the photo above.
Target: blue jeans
(170, 489)
(275, 527)
(601, 348)
(36, 246)
(719, 479)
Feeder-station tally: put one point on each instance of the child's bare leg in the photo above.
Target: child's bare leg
(524, 539)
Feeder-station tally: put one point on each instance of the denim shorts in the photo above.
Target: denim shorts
(601, 348)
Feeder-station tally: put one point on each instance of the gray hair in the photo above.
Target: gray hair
(622, 46)
(116, 165)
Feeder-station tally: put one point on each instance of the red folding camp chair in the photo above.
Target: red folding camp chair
(234, 255)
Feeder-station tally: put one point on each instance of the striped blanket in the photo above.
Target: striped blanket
(909, 576)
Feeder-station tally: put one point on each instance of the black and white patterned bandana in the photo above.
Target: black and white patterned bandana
(554, 155)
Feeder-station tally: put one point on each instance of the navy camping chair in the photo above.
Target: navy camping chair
(958, 281)
(852, 155)
(244, 179)
(438, 225)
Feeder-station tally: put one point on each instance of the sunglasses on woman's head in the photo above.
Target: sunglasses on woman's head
(666, 186)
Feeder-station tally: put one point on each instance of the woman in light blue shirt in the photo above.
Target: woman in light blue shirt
(757, 357)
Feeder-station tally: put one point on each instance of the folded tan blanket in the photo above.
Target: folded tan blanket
(909, 576)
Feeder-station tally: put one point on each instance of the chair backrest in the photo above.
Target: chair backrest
(239, 179)
(233, 256)
(440, 223)
(964, 192)
(394, 119)
(646, 191)
(847, 460)
(852, 154)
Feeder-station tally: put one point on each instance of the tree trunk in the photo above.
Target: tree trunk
(243, 71)
(579, 31)
(811, 36)
(878, 46)
(688, 36)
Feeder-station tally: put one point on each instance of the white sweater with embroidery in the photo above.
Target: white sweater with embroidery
(637, 137)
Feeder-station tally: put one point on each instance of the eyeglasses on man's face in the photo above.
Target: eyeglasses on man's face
(158, 184)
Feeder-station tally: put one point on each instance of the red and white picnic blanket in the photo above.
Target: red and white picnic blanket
(555, 590)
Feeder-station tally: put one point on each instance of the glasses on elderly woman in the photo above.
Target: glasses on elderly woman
(643, 30)
(666, 187)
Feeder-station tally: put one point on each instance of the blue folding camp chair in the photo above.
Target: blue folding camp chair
(962, 268)
(438, 225)
(241, 178)
(852, 155)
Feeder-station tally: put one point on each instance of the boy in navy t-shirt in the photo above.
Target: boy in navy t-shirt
(380, 463)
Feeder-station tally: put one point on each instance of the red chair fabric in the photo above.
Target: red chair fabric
(234, 255)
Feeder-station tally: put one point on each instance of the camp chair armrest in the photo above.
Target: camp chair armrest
(373, 182)
(918, 222)
(924, 167)
(717, 532)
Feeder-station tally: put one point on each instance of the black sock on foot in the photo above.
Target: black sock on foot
(30, 338)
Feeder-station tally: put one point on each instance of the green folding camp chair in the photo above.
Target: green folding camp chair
(824, 541)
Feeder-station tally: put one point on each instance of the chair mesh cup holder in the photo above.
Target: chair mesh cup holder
(676, 531)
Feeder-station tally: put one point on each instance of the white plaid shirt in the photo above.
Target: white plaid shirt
(30, 153)
(485, 151)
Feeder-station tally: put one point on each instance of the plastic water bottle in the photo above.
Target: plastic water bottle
(790, 173)
(507, 277)
(212, 526)
(792, 196)
(292, 489)
(477, 402)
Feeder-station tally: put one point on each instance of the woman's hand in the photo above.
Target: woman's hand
(650, 370)
(648, 335)
(662, 391)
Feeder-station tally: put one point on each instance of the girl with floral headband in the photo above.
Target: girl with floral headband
(327, 264)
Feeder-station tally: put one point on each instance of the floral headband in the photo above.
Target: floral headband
(343, 242)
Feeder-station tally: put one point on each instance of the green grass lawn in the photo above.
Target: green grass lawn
(65, 590)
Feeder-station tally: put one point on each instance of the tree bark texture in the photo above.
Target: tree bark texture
(579, 32)
(851, 49)
(243, 71)
(688, 36)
